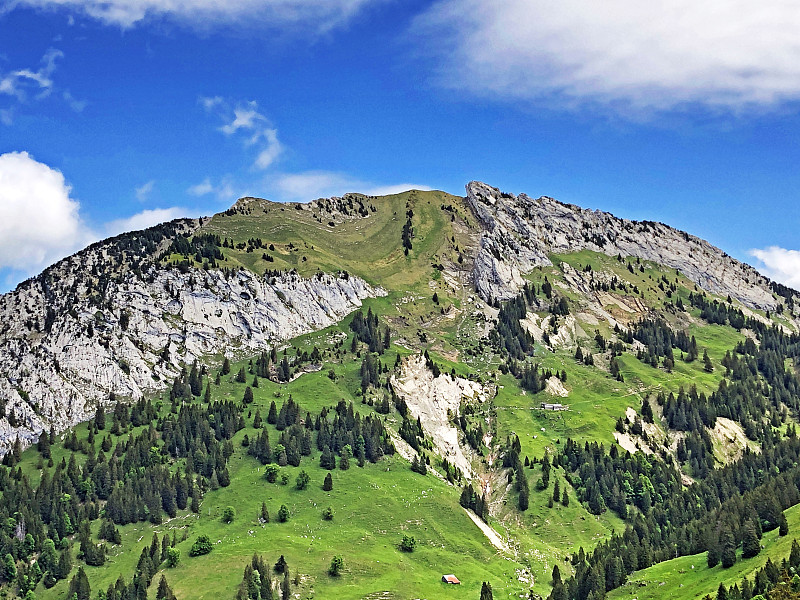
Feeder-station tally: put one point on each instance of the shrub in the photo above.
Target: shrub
(327, 514)
(337, 564)
(173, 557)
(302, 480)
(271, 473)
(408, 543)
(229, 514)
(201, 546)
(283, 514)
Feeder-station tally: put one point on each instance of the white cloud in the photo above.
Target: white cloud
(222, 190)
(143, 220)
(620, 54)
(256, 130)
(779, 264)
(143, 191)
(22, 81)
(320, 15)
(311, 185)
(74, 103)
(388, 190)
(39, 221)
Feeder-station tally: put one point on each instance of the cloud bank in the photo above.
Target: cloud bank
(321, 15)
(621, 54)
(40, 221)
(779, 264)
(310, 185)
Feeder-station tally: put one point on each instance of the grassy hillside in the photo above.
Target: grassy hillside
(430, 307)
(689, 576)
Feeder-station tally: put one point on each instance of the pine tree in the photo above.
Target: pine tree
(728, 550)
(486, 591)
(286, 588)
(327, 485)
(707, 366)
(164, 591)
(751, 545)
(79, 586)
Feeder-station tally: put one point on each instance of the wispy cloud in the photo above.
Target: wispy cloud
(244, 119)
(22, 82)
(310, 185)
(779, 264)
(20, 86)
(623, 55)
(317, 15)
(224, 190)
(74, 103)
(143, 191)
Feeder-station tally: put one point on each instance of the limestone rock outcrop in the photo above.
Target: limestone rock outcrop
(520, 232)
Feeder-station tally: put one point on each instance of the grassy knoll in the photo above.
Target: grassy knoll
(369, 247)
(689, 577)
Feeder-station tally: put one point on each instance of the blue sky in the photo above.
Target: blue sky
(121, 113)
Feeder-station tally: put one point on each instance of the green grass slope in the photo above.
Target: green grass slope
(689, 577)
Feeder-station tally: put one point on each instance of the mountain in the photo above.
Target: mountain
(514, 349)
(115, 318)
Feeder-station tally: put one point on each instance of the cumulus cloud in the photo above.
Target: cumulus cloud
(39, 221)
(255, 129)
(143, 220)
(320, 15)
(779, 264)
(310, 185)
(620, 54)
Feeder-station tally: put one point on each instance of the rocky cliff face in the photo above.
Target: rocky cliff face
(109, 319)
(519, 232)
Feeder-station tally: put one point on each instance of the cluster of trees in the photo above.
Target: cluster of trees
(666, 518)
(408, 230)
(772, 581)
(721, 313)
(203, 247)
(339, 431)
(257, 582)
(368, 331)
(509, 337)
(474, 502)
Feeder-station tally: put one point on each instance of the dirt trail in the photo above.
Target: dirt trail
(490, 533)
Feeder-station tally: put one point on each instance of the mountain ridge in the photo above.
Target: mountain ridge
(64, 349)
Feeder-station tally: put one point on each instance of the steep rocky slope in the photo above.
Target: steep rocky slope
(112, 320)
(520, 232)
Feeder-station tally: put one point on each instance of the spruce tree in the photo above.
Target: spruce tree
(728, 550)
(751, 546)
(486, 591)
